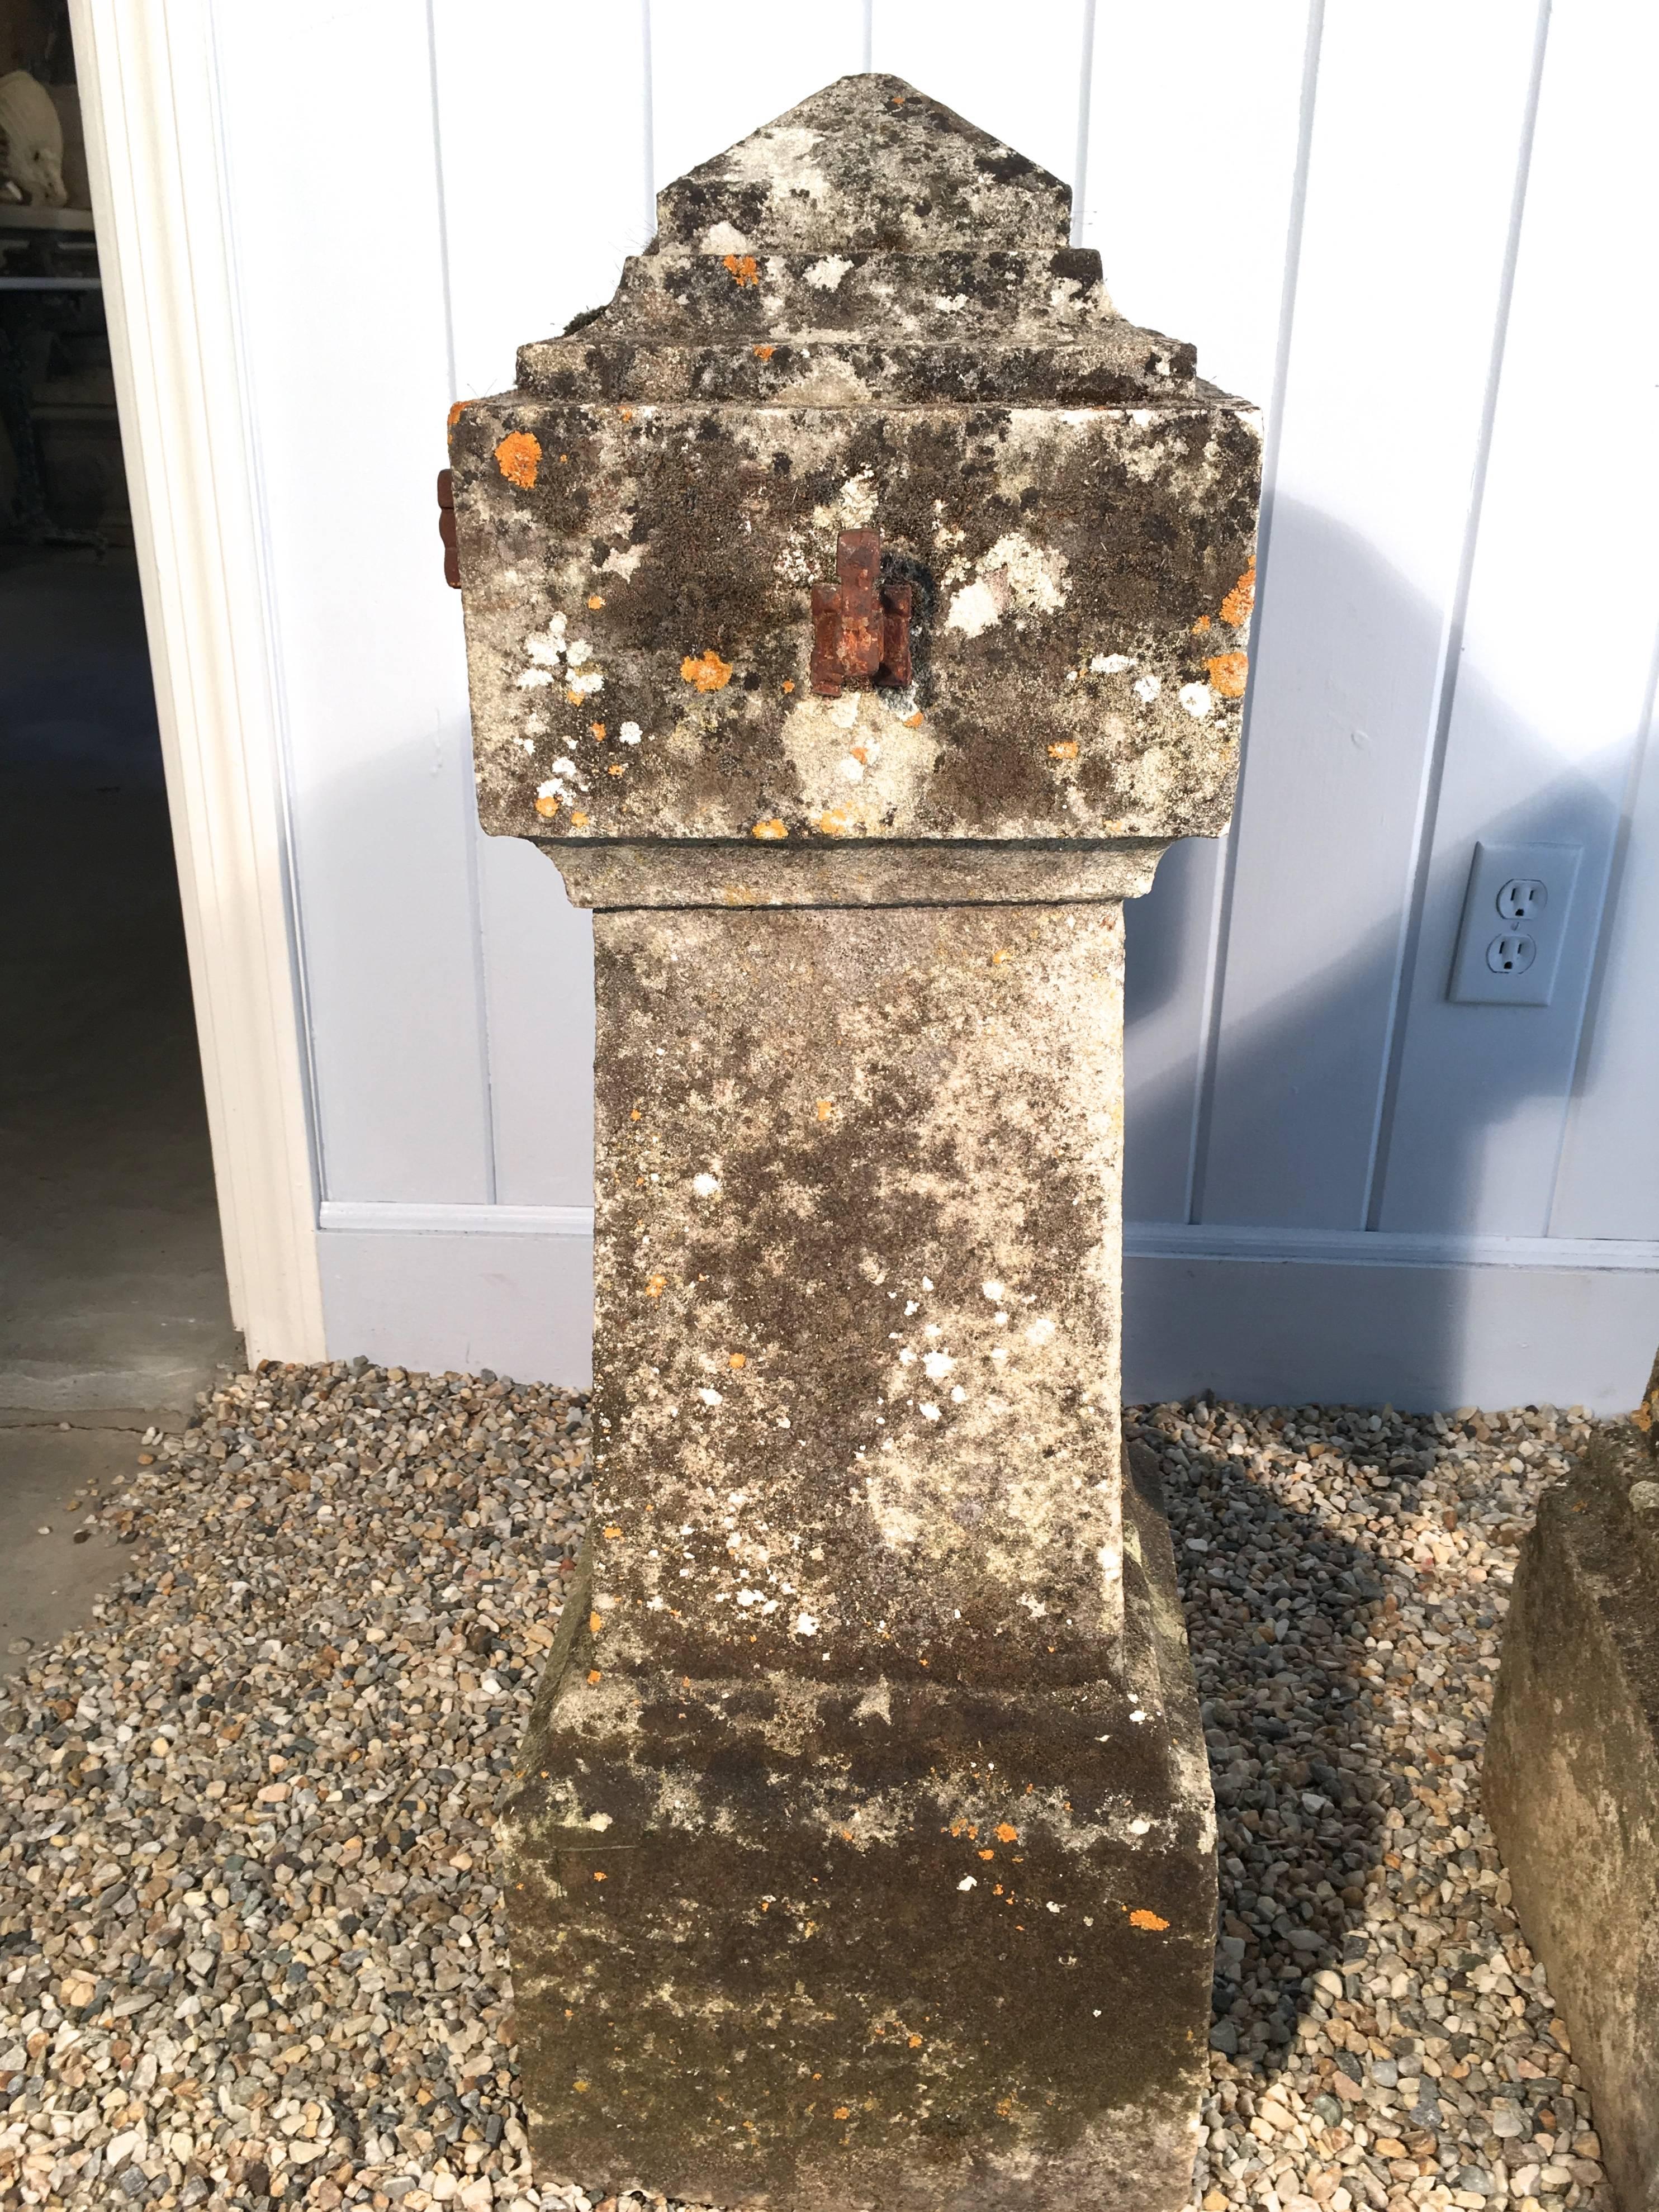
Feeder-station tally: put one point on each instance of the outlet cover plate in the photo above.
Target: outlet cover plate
(1509, 946)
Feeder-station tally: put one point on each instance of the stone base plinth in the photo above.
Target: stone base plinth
(1572, 1785)
(890, 1946)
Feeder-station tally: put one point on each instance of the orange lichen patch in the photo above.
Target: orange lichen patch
(578, 819)
(763, 353)
(597, 1876)
(612, 1535)
(915, 2042)
(706, 670)
(455, 412)
(1066, 750)
(789, 684)
(768, 832)
(518, 457)
(987, 1854)
(598, 728)
(573, 698)
(656, 1287)
(595, 601)
(635, 1115)
(912, 721)
(1237, 607)
(1229, 673)
(832, 823)
(743, 269)
(843, 2112)
(1004, 1834)
(548, 807)
(617, 768)
(898, 100)
(739, 1359)
(1201, 625)
(595, 1623)
(999, 957)
(826, 1108)
(594, 1675)
(1144, 1919)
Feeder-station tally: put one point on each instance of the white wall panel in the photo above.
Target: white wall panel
(340, 279)
(1322, 198)
(1230, 176)
(1553, 685)
(1018, 73)
(537, 224)
(539, 978)
(1418, 130)
(721, 67)
(544, 115)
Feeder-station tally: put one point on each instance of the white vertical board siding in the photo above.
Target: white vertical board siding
(1417, 129)
(1016, 71)
(1217, 170)
(333, 212)
(536, 222)
(1554, 686)
(1455, 638)
(721, 67)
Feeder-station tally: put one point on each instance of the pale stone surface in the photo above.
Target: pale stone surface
(1571, 1781)
(863, 1850)
(641, 521)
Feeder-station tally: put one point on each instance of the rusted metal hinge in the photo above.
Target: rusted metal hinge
(860, 627)
(446, 528)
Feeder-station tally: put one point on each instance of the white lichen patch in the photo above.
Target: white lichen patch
(1146, 689)
(853, 509)
(724, 238)
(1196, 698)
(1015, 573)
(856, 765)
(1110, 664)
(825, 275)
(829, 382)
(782, 159)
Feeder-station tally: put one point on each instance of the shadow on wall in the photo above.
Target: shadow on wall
(1471, 1140)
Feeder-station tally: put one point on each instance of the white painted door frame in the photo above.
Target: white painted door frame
(148, 100)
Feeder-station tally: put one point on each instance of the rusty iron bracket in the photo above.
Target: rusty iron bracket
(860, 627)
(446, 528)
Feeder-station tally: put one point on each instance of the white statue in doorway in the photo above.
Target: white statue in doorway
(31, 142)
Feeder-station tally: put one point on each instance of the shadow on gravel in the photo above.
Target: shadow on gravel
(1278, 1608)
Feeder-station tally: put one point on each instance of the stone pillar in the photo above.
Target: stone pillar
(861, 1848)
(1571, 1779)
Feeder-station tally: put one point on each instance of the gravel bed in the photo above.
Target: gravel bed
(251, 1946)
(1382, 2035)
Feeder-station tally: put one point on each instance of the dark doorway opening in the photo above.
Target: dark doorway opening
(113, 1310)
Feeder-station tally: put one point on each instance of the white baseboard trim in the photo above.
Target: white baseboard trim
(1381, 1247)
(1263, 1316)
(1142, 1240)
(381, 1218)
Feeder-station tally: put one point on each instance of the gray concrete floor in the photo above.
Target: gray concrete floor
(55, 1555)
(112, 1304)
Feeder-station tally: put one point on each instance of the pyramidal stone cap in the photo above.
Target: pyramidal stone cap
(867, 318)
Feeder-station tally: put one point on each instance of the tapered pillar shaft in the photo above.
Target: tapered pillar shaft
(859, 1857)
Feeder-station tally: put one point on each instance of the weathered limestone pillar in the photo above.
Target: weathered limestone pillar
(856, 608)
(1571, 1779)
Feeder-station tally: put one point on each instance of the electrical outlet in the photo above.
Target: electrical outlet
(1514, 922)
